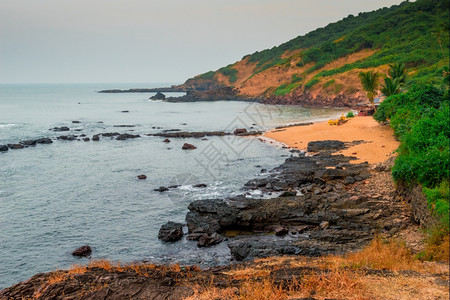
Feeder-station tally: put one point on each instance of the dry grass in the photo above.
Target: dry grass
(342, 277)
(381, 254)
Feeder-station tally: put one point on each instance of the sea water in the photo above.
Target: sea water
(55, 198)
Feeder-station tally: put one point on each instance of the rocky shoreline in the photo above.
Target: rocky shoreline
(314, 205)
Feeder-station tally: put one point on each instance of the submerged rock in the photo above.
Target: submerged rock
(83, 251)
(4, 148)
(44, 141)
(141, 177)
(161, 189)
(127, 136)
(15, 146)
(62, 128)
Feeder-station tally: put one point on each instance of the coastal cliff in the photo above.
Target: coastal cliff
(321, 68)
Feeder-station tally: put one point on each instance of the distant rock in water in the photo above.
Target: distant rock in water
(76, 122)
(125, 111)
(187, 146)
(95, 137)
(83, 251)
(127, 136)
(142, 177)
(166, 141)
(62, 128)
(44, 141)
(161, 189)
(158, 96)
(3, 148)
(239, 131)
(15, 146)
(170, 232)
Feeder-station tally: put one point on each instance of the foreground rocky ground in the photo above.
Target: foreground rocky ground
(293, 244)
(384, 270)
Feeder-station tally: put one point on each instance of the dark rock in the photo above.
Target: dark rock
(239, 131)
(161, 189)
(86, 139)
(76, 122)
(289, 193)
(125, 111)
(110, 134)
(349, 180)
(28, 143)
(207, 240)
(263, 171)
(83, 251)
(187, 146)
(280, 231)
(141, 177)
(170, 232)
(200, 185)
(4, 148)
(63, 128)
(15, 146)
(95, 137)
(185, 134)
(166, 141)
(44, 141)
(124, 126)
(325, 145)
(67, 137)
(126, 136)
(158, 96)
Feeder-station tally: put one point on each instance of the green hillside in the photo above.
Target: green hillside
(414, 33)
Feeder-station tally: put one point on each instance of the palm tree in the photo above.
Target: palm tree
(391, 86)
(398, 70)
(369, 81)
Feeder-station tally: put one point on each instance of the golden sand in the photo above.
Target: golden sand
(379, 144)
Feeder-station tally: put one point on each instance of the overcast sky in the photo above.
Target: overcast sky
(59, 41)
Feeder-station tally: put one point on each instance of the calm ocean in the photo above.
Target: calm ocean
(55, 198)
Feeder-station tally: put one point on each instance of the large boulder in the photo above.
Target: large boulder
(3, 148)
(170, 232)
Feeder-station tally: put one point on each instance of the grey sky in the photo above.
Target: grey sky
(148, 40)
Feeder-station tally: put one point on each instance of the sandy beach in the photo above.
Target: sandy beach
(379, 140)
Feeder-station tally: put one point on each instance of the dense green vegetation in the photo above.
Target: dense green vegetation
(420, 119)
(415, 34)
(229, 72)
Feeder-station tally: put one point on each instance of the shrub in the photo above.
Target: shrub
(350, 114)
(310, 83)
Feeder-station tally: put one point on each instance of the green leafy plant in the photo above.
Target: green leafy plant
(350, 114)
(369, 81)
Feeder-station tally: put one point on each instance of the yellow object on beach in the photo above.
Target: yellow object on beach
(342, 117)
(333, 122)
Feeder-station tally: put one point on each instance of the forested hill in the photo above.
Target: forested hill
(322, 67)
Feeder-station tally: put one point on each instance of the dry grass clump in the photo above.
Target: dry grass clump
(381, 254)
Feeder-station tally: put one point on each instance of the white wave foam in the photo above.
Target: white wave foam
(7, 125)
